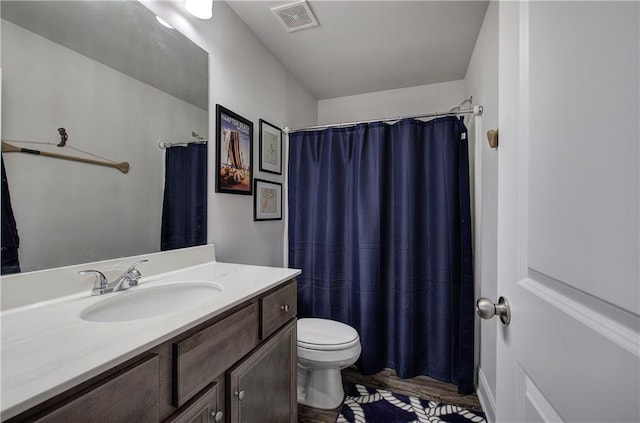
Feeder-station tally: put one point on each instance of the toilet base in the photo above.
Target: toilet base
(320, 388)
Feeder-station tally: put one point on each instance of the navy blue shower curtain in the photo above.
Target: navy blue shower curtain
(379, 223)
(184, 208)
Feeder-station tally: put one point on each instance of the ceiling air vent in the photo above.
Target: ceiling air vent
(295, 16)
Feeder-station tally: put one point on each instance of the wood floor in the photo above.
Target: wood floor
(420, 386)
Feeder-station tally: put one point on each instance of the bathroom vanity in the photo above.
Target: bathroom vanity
(227, 358)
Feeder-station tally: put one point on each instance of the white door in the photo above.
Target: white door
(569, 231)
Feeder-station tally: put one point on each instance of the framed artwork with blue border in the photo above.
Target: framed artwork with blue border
(234, 152)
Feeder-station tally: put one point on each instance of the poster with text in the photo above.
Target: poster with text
(234, 152)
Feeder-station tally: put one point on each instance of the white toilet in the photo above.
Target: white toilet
(324, 348)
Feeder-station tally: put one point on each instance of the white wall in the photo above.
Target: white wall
(481, 82)
(391, 103)
(69, 212)
(246, 78)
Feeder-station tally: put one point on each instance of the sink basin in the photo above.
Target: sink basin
(141, 303)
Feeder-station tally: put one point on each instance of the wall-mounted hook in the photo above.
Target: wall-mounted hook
(63, 137)
(492, 137)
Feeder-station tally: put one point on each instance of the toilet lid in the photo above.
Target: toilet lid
(325, 335)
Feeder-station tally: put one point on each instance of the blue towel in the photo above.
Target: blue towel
(10, 239)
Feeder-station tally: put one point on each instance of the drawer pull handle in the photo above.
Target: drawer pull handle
(217, 416)
(240, 395)
(285, 308)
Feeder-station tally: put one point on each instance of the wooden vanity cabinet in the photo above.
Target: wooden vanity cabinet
(129, 395)
(197, 376)
(206, 407)
(277, 308)
(262, 387)
(209, 352)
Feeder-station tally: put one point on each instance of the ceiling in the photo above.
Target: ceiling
(369, 46)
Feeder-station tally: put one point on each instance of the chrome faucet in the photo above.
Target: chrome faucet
(100, 285)
(125, 281)
(128, 278)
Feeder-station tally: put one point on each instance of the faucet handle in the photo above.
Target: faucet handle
(133, 266)
(133, 273)
(100, 283)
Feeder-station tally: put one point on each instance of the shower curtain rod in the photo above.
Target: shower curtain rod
(180, 144)
(197, 139)
(475, 110)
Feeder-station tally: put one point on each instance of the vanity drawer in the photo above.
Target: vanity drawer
(128, 396)
(277, 308)
(198, 359)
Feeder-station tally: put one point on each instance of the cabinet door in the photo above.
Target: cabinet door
(128, 396)
(204, 408)
(262, 388)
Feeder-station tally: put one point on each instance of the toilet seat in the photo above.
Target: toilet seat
(326, 335)
(328, 347)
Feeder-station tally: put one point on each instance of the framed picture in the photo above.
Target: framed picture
(270, 148)
(234, 152)
(267, 201)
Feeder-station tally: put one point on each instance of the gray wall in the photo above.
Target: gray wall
(391, 103)
(246, 78)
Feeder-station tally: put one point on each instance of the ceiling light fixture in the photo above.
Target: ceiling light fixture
(163, 22)
(202, 9)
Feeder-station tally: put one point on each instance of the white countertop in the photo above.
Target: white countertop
(47, 348)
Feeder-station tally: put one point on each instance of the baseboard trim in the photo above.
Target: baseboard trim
(486, 397)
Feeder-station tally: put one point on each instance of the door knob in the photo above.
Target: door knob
(217, 416)
(240, 395)
(487, 309)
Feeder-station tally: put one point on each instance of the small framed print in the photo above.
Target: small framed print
(270, 148)
(234, 152)
(267, 200)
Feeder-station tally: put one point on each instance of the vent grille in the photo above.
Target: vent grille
(295, 16)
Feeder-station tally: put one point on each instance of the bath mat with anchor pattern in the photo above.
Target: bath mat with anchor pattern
(369, 405)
